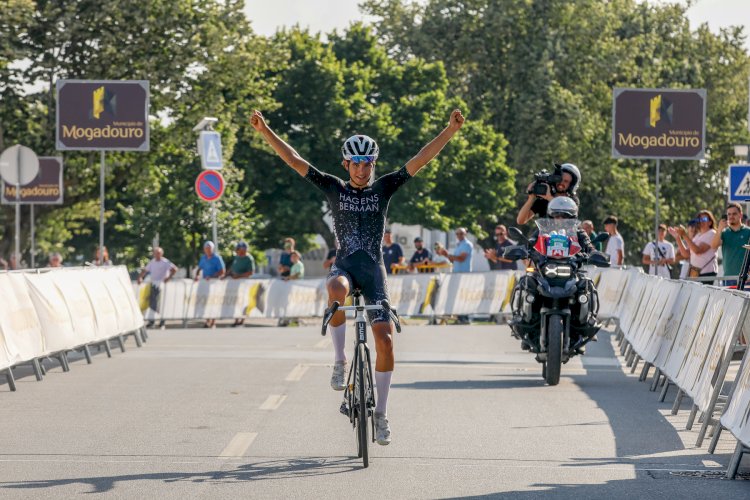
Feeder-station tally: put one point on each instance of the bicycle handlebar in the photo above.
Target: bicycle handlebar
(383, 305)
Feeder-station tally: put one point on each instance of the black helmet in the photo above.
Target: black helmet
(562, 206)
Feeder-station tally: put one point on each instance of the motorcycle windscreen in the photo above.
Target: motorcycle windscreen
(558, 238)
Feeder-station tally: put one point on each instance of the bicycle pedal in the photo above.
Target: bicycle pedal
(344, 408)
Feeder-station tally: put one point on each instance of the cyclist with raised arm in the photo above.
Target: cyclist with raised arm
(359, 209)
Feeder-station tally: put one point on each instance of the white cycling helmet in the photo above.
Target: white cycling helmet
(360, 145)
(575, 173)
(562, 206)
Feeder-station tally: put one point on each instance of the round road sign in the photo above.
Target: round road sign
(209, 185)
(19, 159)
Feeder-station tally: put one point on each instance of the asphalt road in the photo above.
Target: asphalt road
(248, 413)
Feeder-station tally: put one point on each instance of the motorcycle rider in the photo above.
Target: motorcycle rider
(537, 204)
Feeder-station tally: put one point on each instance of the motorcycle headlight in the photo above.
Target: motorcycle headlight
(558, 271)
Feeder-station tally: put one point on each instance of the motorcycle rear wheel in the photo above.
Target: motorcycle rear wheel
(554, 349)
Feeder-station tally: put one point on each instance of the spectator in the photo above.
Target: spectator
(14, 264)
(588, 228)
(440, 259)
(285, 261)
(682, 255)
(3, 264)
(330, 259)
(392, 252)
(660, 256)
(421, 254)
(55, 260)
(731, 236)
(297, 271)
(161, 271)
(243, 264)
(212, 267)
(495, 255)
(615, 243)
(102, 258)
(461, 257)
(702, 256)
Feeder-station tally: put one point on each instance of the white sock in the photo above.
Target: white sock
(383, 384)
(338, 335)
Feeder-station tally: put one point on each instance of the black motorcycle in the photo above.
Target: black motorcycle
(555, 304)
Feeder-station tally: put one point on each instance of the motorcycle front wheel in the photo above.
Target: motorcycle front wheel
(554, 349)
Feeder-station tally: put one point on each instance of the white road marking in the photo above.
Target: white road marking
(273, 402)
(297, 372)
(323, 343)
(238, 445)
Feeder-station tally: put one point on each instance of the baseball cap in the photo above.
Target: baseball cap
(241, 244)
(418, 238)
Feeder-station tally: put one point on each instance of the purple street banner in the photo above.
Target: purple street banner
(659, 123)
(45, 189)
(108, 115)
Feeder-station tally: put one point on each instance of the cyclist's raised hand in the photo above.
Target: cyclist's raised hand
(257, 121)
(457, 119)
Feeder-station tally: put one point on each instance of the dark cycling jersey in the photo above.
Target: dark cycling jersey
(358, 214)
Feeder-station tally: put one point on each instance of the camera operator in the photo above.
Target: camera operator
(564, 181)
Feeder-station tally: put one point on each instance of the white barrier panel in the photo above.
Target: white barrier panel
(636, 333)
(20, 328)
(664, 315)
(631, 300)
(57, 326)
(686, 332)
(414, 294)
(135, 318)
(296, 299)
(473, 293)
(610, 285)
(736, 418)
(78, 304)
(672, 322)
(727, 332)
(104, 308)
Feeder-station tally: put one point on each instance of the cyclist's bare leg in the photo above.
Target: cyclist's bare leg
(383, 333)
(338, 289)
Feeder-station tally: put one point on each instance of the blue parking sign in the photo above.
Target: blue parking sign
(210, 150)
(739, 182)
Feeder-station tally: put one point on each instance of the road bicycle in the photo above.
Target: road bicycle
(359, 396)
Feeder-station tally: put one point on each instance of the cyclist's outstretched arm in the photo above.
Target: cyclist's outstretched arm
(284, 150)
(434, 147)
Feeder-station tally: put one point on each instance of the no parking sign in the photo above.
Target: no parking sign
(209, 185)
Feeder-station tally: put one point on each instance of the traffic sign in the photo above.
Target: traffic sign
(19, 165)
(739, 182)
(209, 148)
(209, 185)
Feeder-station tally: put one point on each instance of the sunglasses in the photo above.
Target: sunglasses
(363, 158)
(704, 218)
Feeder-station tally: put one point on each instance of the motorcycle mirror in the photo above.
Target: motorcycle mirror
(599, 259)
(518, 235)
(600, 238)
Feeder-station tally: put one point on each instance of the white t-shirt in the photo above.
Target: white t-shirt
(666, 252)
(159, 269)
(706, 261)
(615, 243)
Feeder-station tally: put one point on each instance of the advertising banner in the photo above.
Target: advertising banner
(736, 418)
(57, 326)
(45, 189)
(659, 123)
(109, 115)
(19, 324)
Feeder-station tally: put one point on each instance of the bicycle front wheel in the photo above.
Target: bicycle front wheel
(362, 421)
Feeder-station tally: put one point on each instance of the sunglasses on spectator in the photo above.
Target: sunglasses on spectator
(363, 159)
(704, 218)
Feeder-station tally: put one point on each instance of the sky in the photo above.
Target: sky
(325, 15)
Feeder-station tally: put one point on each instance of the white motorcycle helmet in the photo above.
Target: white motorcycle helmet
(575, 173)
(562, 206)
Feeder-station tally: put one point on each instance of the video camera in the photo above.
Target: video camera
(543, 179)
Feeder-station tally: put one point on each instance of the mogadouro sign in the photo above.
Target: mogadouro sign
(659, 123)
(102, 115)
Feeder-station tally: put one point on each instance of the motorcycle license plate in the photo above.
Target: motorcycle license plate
(558, 246)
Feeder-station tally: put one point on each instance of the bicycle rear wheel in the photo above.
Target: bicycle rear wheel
(362, 422)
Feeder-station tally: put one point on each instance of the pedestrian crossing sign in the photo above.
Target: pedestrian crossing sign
(209, 148)
(739, 182)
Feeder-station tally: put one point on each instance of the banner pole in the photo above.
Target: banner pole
(101, 209)
(18, 211)
(33, 245)
(213, 223)
(656, 228)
